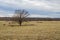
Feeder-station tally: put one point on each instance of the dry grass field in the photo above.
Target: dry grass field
(33, 30)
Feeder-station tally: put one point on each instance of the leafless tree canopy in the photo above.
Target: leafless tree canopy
(20, 15)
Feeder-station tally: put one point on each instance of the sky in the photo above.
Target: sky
(36, 8)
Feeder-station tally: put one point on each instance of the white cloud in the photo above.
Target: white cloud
(5, 13)
(52, 5)
(47, 5)
(54, 15)
(2, 16)
(36, 15)
(9, 15)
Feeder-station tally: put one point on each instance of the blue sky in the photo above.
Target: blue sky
(36, 8)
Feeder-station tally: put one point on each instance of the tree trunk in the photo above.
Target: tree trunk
(20, 23)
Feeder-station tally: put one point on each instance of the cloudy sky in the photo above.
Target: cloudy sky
(36, 8)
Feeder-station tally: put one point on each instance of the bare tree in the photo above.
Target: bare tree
(20, 16)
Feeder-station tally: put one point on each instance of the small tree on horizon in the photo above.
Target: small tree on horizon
(20, 16)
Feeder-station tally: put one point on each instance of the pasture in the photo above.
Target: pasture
(32, 30)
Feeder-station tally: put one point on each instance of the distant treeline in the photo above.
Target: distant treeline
(30, 19)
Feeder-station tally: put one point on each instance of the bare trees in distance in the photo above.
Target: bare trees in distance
(20, 16)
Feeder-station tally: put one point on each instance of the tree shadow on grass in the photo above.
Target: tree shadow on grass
(39, 22)
(13, 25)
(29, 25)
(22, 25)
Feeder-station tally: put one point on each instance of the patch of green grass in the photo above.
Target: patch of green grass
(33, 30)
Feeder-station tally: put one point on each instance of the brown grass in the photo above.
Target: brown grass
(33, 30)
